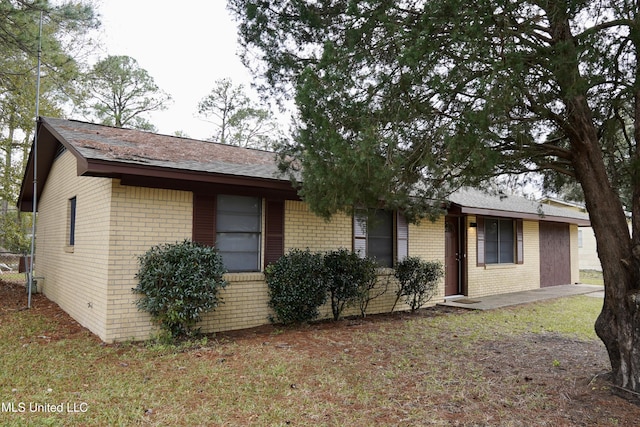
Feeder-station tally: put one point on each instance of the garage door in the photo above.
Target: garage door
(555, 254)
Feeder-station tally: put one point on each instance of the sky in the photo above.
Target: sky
(184, 45)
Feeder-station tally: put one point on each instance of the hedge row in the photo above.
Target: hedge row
(180, 282)
(300, 282)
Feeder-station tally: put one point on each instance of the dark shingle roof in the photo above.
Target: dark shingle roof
(134, 147)
(109, 151)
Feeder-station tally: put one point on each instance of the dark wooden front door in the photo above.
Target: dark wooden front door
(451, 256)
(555, 254)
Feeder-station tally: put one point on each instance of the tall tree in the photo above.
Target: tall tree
(121, 93)
(63, 39)
(406, 100)
(65, 30)
(239, 120)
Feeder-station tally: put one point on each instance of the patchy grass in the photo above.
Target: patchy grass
(12, 276)
(591, 277)
(537, 362)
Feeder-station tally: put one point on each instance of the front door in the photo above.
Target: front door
(452, 256)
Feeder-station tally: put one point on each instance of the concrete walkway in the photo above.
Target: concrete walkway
(496, 301)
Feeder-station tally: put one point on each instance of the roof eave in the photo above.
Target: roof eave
(524, 215)
(48, 140)
(131, 174)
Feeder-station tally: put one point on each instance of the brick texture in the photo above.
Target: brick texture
(115, 224)
(303, 229)
(75, 277)
(504, 278)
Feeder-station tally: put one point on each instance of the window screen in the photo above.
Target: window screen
(380, 238)
(499, 240)
(238, 224)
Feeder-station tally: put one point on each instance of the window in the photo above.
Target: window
(380, 238)
(233, 224)
(383, 237)
(499, 241)
(579, 238)
(238, 224)
(71, 223)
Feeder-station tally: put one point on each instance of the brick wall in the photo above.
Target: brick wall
(245, 304)
(504, 278)
(426, 240)
(140, 219)
(93, 283)
(303, 229)
(115, 224)
(75, 277)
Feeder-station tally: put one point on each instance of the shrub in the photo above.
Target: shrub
(418, 280)
(378, 283)
(349, 277)
(297, 286)
(179, 283)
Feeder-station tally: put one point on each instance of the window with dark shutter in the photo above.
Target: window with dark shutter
(238, 231)
(274, 231)
(380, 238)
(500, 239)
(204, 219)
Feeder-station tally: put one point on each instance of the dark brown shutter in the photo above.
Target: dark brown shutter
(519, 242)
(204, 219)
(480, 241)
(274, 231)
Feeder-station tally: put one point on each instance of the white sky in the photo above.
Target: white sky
(185, 46)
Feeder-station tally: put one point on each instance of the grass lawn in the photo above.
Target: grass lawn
(591, 277)
(539, 362)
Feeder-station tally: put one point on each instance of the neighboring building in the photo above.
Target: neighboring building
(106, 195)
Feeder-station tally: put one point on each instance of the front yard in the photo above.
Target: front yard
(591, 277)
(538, 364)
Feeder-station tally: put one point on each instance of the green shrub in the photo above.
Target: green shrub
(375, 287)
(179, 283)
(297, 286)
(348, 278)
(418, 281)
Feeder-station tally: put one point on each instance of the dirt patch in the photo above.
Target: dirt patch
(13, 297)
(570, 374)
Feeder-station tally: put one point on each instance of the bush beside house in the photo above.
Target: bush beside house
(418, 281)
(302, 281)
(179, 283)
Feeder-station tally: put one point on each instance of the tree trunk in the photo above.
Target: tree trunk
(618, 325)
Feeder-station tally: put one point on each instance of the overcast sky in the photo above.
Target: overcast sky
(185, 46)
